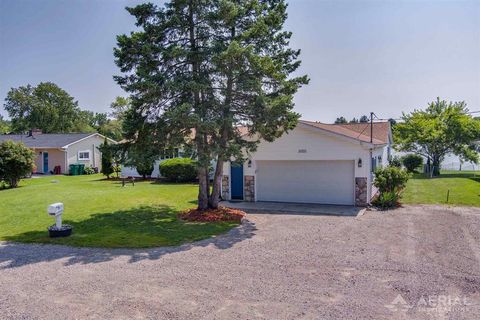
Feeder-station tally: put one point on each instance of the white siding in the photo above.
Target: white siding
(307, 144)
(89, 144)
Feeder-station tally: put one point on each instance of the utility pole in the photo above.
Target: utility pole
(371, 127)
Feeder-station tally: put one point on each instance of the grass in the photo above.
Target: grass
(464, 189)
(103, 213)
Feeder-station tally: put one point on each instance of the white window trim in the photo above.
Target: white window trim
(83, 159)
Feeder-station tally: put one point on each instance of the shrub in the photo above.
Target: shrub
(390, 178)
(16, 161)
(179, 169)
(89, 170)
(412, 162)
(390, 182)
(395, 162)
(145, 169)
(387, 200)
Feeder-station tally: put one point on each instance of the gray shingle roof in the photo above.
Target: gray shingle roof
(45, 140)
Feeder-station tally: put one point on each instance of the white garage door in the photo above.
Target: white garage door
(329, 182)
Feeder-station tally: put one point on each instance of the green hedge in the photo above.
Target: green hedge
(179, 169)
(412, 162)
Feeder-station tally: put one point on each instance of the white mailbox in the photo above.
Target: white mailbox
(56, 209)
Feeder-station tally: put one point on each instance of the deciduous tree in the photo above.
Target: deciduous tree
(46, 107)
(442, 128)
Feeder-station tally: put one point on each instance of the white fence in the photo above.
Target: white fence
(457, 166)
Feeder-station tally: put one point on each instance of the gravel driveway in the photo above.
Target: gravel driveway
(273, 266)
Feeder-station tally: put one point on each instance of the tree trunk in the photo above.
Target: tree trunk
(436, 165)
(202, 189)
(217, 185)
(13, 183)
(199, 143)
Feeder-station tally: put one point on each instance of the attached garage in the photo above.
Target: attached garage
(329, 182)
(313, 163)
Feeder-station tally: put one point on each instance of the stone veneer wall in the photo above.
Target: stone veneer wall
(225, 187)
(361, 191)
(249, 188)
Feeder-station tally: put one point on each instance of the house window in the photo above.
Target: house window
(380, 163)
(374, 164)
(84, 155)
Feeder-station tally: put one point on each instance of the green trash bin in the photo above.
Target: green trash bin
(72, 170)
(81, 169)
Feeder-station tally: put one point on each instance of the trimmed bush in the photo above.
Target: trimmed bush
(389, 179)
(412, 162)
(390, 182)
(16, 162)
(145, 169)
(179, 169)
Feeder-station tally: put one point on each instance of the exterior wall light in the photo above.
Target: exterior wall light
(249, 163)
(359, 162)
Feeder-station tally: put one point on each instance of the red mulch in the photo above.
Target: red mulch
(213, 215)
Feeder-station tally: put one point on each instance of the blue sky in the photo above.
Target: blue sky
(361, 56)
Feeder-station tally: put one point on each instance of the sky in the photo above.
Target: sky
(361, 56)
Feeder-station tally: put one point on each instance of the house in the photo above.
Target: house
(61, 150)
(313, 163)
(129, 171)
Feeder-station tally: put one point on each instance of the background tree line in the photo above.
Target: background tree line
(342, 120)
(51, 109)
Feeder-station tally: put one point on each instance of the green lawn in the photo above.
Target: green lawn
(103, 213)
(464, 189)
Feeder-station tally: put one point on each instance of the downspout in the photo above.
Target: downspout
(93, 155)
(370, 182)
(66, 160)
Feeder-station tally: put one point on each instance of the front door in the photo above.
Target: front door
(236, 174)
(45, 162)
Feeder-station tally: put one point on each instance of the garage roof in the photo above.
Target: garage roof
(358, 131)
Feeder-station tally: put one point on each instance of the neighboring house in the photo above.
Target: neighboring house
(61, 150)
(132, 171)
(314, 163)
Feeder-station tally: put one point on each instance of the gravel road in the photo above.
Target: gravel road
(410, 263)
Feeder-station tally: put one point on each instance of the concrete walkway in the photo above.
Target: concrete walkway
(294, 208)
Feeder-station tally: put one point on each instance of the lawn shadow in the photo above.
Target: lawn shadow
(146, 225)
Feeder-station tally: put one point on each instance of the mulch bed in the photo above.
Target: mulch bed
(213, 215)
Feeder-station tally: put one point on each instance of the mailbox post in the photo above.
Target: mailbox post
(58, 229)
(56, 210)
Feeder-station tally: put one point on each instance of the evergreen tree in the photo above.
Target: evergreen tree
(198, 69)
(107, 159)
(364, 119)
(340, 120)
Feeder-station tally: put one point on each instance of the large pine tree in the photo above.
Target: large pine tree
(199, 69)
